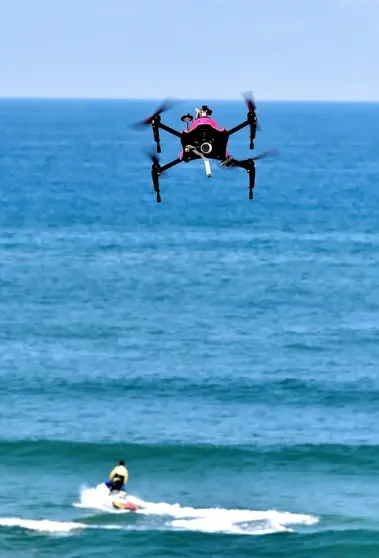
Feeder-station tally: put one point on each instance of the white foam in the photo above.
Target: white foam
(51, 527)
(233, 521)
(206, 520)
(43, 525)
(97, 498)
(243, 522)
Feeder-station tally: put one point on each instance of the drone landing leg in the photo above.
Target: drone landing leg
(251, 172)
(156, 171)
(155, 176)
(155, 126)
(248, 165)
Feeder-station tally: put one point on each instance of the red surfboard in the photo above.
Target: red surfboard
(125, 506)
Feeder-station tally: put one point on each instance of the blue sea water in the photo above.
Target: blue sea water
(227, 349)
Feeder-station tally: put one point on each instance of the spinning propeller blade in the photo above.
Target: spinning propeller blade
(265, 154)
(152, 156)
(167, 104)
(249, 99)
(248, 96)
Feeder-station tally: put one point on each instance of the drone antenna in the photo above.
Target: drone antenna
(187, 118)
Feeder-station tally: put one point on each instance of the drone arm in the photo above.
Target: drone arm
(252, 121)
(171, 164)
(156, 124)
(170, 130)
(238, 127)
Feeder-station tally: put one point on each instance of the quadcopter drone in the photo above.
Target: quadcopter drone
(204, 139)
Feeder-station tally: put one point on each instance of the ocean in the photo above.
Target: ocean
(226, 349)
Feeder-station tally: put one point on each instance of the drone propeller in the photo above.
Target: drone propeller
(167, 104)
(153, 157)
(150, 153)
(265, 154)
(248, 96)
(249, 99)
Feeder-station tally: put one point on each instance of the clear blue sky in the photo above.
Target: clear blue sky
(280, 49)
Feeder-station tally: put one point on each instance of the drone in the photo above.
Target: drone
(204, 139)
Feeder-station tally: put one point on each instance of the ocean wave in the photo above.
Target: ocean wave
(352, 458)
(224, 389)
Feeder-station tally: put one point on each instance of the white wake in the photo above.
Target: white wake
(206, 520)
(42, 525)
(173, 517)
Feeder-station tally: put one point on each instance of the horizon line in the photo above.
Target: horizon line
(159, 99)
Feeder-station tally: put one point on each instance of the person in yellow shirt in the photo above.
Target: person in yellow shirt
(118, 478)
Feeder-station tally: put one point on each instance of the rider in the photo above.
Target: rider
(118, 478)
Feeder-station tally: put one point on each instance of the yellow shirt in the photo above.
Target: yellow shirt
(119, 470)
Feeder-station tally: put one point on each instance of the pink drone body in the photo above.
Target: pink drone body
(204, 139)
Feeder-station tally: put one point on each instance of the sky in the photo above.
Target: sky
(212, 49)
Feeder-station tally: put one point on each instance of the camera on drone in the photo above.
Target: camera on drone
(204, 112)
